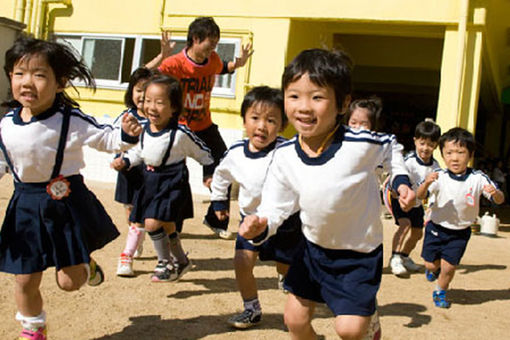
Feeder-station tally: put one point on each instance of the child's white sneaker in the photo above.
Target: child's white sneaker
(397, 266)
(125, 266)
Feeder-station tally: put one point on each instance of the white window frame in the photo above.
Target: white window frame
(226, 92)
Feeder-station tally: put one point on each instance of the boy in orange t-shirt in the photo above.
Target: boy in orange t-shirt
(196, 67)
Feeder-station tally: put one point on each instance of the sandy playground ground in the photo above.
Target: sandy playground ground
(198, 306)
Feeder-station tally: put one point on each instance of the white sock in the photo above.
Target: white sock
(32, 322)
(253, 305)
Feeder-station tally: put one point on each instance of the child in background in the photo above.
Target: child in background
(196, 67)
(364, 113)
(164, 200)
(419, 164)
(246, 163)
(130, 180)
(52, 219)
(456, 192)
(327, 172)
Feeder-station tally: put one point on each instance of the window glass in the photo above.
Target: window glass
(112, 59)
(103, 56)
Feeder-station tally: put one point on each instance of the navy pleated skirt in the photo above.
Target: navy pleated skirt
(165, 195)
(39, 232)
(128, 183)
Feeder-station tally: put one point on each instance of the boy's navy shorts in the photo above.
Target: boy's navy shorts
(415, 215)
(346, 280)
(443, 243)
(281, 247)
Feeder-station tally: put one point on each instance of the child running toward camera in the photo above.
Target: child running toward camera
(327, 172)
(164, 201)
(130, 180)
(246, 163)
(52, 220)
(456, 193)
(419, 164)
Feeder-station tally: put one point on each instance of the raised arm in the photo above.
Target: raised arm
(167, 46)
(246, 52)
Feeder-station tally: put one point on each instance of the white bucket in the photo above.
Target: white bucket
(489, 225)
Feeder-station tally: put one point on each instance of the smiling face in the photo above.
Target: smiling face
(262, 123)
(201, 50)
(456, 157)
(138, 95)
(311, 109)
(359, 119)
(34, 85)
(157, 106)
(424, 148)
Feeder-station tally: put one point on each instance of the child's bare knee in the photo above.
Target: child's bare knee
(69, 284)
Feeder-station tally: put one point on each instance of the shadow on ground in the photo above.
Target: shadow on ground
(477, 296)
(153, 327)
(411, 310)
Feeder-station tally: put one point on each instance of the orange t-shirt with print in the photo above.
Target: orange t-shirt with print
(197, 82)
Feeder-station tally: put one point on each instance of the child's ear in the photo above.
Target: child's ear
(62, 83)
(346, 103)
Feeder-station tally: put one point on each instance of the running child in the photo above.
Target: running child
(164, 200)
(364, 113)
(456, 191)
(246, 163)
(130, 180)
(410, 224)
(196, 67)
(52, 219)
(327, 172)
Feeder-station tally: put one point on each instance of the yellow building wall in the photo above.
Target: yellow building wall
(431, 11)
(281, 29)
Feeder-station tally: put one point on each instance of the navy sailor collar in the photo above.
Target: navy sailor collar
(421, 162)
(461, 177)
(258, 154)
(327, 154)
(56, 107)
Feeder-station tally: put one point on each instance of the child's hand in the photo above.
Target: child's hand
(252, 226)
(490, 189)
(497, 195)
(406, 197)
(246, 52)
(118, 164)
(431, 177)
(130, 125)
(167, 46)
(207, 182)
(222, 215)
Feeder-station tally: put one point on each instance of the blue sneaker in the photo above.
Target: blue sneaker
(439, 297)
(432, 276)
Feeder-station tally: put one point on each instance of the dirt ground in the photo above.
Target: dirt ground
(198, 306)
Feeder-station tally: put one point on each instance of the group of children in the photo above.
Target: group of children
(310, 203)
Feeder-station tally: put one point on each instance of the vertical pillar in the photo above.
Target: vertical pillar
(446, 117)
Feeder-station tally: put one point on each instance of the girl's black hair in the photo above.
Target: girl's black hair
(202, 28)
(325, 68)
(62, 59)
(173, 91)
(458, 135)
(138, 74)
(427, 130)
(265, 95)
(374, 106)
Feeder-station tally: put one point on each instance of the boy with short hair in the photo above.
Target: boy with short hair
(419, 164)
(327, 172)
(196, 67)
(246, 163)
(456, 191)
